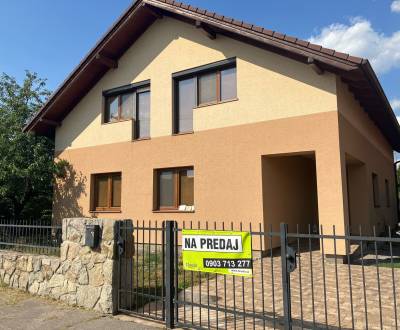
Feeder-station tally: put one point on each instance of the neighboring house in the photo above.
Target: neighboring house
(180, 113)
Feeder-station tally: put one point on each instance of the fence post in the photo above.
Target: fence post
(169, 273)
(285, 278)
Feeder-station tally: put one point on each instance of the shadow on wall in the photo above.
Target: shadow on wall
(68, 189)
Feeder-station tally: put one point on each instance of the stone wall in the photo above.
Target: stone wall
(81, 276)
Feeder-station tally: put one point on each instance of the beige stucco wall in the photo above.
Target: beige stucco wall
(364, 151)
(290, 191)
(228, 170)
(269, 86)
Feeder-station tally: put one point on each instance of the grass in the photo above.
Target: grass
(147, 277)
(9, 296)
(389, 264)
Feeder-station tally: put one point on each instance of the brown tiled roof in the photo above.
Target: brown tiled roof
(264, 31)
(355, 71)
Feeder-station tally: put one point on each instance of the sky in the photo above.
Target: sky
(51, 37)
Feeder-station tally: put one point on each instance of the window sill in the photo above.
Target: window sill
(183, 133)
(141, 139)
(172, 211)
(215, 103)
(116, 122)
(106, 211)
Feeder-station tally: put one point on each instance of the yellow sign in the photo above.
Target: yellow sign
(217, 251)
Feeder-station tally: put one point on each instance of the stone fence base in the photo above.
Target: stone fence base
(81, 276)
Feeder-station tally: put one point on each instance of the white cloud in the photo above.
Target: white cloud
(398, 119)
(395, 7)
(395, 103)
(360, 39)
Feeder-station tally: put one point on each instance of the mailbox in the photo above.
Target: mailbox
(92, 236)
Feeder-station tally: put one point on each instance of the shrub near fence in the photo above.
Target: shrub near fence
(30, 236)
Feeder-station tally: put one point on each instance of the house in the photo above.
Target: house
(181, 113)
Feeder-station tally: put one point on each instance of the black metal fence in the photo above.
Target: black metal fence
(30, 236)
(338, 281)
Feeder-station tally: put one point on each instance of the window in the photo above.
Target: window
(202, 86)
(142, 127)
(387, 190)
(130, 102)
(175, 189)
(106, 192)
(375, 189)
(118, 108)
(186, 103)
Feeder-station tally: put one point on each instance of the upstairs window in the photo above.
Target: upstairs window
(207, 85)
(106, 192)
(129, 102)
(118, 108)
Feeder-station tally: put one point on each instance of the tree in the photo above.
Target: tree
(27, 166)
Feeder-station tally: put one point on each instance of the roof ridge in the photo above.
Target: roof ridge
(259, 29)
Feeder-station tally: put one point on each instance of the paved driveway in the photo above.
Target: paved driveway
(19, 310)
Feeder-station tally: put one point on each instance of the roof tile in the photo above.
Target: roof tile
(290, 38)
(219, 17)
(341, 55)
(185, 6)
(302, 42)
(210, 13)
(257, 28)
(279, 35)
(327, 51)
(247, 25)
(228, 19)
(201, 11)
(314, 46)
(355, 59)
(236, 22)
(268, 32)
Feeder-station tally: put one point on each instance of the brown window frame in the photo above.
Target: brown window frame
(177, 178)
(134, 89)
(217, 87)
(196, 73)
(375, 190)
(119, 96)
(109, 206)
(136, 110)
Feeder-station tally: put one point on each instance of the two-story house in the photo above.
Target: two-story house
(181, 113)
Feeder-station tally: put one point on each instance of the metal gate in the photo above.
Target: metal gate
(303, 279)
(141, 269)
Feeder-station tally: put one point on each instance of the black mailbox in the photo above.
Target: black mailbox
(92, 236)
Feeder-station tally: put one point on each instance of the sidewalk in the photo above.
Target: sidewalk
(19, 310)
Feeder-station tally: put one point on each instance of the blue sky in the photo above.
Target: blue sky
(51, 37)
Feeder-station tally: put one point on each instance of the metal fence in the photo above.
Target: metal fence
(341, 280)
(30, 236)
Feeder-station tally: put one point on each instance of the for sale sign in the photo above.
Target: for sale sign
(217, 251)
